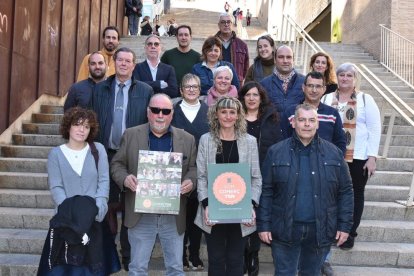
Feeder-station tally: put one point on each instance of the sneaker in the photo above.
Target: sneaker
(196, 263)
(348, 244)
(326, 269)
(186, 266)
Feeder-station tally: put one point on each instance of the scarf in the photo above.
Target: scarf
(213, 95)
(349, 122)
(285, 79)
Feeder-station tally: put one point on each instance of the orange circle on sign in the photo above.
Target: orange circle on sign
(147, 203)
(229, 188)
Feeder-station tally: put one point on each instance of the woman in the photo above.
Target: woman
(227, 142)
(262, 123)
(322, 63)
(190, 114)
(211, 60)
(222, 85)
(146, 28)
(79, 168)
(264, 62)
(362, 123)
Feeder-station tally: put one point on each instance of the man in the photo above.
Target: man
(110, 41)
(284, 86)
(307, 198)
(182, 58)
(234, 50)
(330, 124)
(248, 17)
(143, 229)
(80, 93)
(120, 102)
(160, 76)
(133, 10)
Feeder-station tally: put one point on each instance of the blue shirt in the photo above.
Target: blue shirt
(163, 143)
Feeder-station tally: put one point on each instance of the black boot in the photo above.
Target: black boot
(253, 264)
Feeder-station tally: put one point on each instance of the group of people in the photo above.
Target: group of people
(310, 142)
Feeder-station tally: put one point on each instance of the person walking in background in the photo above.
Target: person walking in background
(263, 123)
(133, 10)
(236, 15)
(323, 63)
(190, 114)
(248, 17)
(264, 62)
(227, 7)
(227, 142)
(362, 124)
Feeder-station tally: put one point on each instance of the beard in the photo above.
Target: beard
(98, 74)
(159, 127)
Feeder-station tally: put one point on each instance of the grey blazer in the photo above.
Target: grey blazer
(248, 153)
(125, 162)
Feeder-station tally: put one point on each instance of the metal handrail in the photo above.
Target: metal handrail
(397, 55)
(313, 45)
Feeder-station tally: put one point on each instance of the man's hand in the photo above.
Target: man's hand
(266, 237)
(341, 237)
(131, 182)
(186, 186)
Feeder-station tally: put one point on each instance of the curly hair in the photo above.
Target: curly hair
(265, 103)
(76, 116)
(329, 74)
(240, 127)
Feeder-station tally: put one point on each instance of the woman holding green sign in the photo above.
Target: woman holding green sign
(227, 142)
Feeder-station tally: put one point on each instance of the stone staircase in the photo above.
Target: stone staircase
(385, 245)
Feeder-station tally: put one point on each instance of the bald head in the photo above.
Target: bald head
(284, 59)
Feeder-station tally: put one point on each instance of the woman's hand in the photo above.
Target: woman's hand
(206, 219)
(370, 166)
(253, 222)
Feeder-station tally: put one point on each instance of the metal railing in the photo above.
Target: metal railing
(397, 55)
(304, 46)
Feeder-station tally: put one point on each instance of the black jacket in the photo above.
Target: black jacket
(332, 188)
(102, 102)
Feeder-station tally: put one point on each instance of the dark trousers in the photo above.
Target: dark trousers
(302, 254)
(193, 232)
(225, 247)
(359, 180)
(133, 20)
(116, 203)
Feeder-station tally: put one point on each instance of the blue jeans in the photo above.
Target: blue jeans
(133, 23)
(142, 239)
(303, 253)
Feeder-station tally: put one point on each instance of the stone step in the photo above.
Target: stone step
(399, 140)
(399, 151)
(38, 140)
(390, 211)
(35, 165)
(25, 198)
(386, 231)
(399, 130)
(371, 271)
(25, 151)
(375, 254)
(23, 241)
(27, 218)
(47, 118)
(51, 109)
(386, 193)
(23, 180)
(48, 129)
(391, 178)
(395, 164)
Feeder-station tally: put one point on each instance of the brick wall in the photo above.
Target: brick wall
(360, 23)
(402, 15)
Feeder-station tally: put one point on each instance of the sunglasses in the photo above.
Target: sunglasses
(150, 44)
(157, 110)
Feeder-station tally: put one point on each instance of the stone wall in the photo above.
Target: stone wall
(307, 11)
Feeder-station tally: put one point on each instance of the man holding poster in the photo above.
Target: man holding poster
(143, 228)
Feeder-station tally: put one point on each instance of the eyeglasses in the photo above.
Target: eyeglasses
(157, 110)
(315, 86)
(225, 22)
(155, 44)
(189, 87)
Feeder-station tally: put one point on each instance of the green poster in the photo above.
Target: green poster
(229, 193)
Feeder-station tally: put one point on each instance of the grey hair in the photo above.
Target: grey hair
(187, 77)
(160, 95)
(305, 106)
(225, 14)
(152, 35)
(222, 69)
(349, 67)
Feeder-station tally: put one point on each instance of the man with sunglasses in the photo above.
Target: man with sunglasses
(234, 50)
(156, 135)
(120, 102)
(160, 76)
